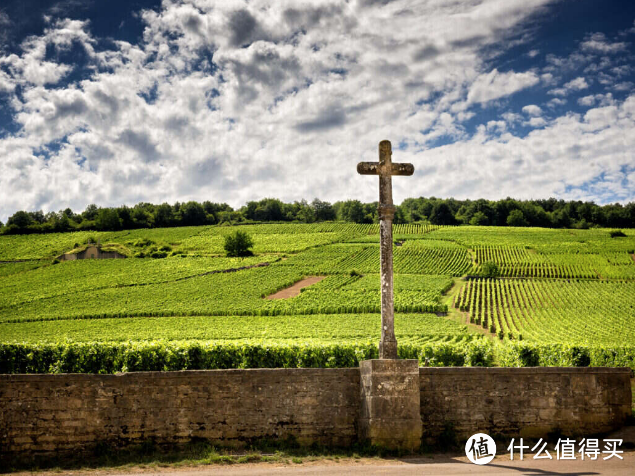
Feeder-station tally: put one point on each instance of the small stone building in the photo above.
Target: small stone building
(91, 252)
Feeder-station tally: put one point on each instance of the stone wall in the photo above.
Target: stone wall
(44, 413)
(66, 412)
(528, 402)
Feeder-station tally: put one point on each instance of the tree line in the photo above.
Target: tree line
(549, 213)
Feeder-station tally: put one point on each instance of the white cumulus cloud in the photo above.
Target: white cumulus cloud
(494, 85)
(237, 100)
(532, 110)
(577, 84)
(597, 42)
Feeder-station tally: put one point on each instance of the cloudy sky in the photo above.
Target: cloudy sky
(122, 101)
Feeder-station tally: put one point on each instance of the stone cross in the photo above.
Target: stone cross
(386, 169)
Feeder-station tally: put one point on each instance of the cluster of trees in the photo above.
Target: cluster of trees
(550, 213)
(142, 215)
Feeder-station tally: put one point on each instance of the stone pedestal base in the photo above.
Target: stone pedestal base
(390, 399)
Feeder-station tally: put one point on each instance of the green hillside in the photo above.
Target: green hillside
(563, 297)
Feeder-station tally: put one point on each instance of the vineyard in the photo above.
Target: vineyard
(563, 297)
(552, 311)
(519, 262)
(334, 328)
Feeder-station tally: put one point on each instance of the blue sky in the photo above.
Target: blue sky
(119, 102)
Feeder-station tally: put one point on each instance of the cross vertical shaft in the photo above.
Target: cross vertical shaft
(386, 169)
(388, 342)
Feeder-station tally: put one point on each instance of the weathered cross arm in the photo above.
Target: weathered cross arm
(373, 168)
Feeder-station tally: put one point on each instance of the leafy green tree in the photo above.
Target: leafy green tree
(91, 212)
(125, 215)
(585, 211)
(108, 219)
(352, 211)
(22, 222)
(581, 225)
(68, 213)
(141, 218)
(192, 214)
(516, 218)
(273, 209)
(400, 216)
(267, 209)
(616, 216)
(560, 219)
(412, 208)
(305, 213)
(20, 219)
(489, 269)
(629, 211)
(212, 208)
(479, 218)
(323, 210)
(540, 217)
(371, 212)
(61, 223)
(238, 244)
(598, 216)
(163, 216)
(426, 207)
(249, 210)
(469, 209)
(442, 214)
(38, 217)
(463, 214)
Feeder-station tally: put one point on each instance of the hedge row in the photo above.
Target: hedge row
(103, 358)
(366, 309)
(526, 354)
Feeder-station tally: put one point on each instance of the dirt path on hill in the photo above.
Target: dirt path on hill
(475, 327)
(294, 290)
(458, 315)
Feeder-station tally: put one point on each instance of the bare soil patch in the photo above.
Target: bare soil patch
(294, 290)
(461, 316)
